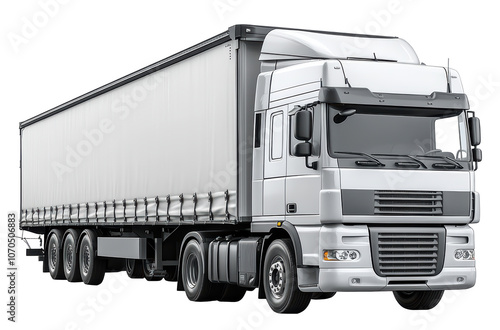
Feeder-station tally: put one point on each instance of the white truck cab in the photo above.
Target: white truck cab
(367, 153)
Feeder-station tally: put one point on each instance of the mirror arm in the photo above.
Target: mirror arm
(314, 165)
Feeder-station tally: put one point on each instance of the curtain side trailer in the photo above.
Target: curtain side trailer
(298, 162)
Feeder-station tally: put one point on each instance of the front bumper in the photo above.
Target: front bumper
(359, 275)
(365, 279)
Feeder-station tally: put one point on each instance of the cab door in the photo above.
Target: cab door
(303, 184)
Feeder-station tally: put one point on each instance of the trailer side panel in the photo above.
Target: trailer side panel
(169, 133)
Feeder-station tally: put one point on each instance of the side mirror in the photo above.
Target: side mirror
(477, 155)
(303, 149)
(474, 131)
(303, 126)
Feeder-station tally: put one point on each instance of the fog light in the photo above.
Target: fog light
(465, 254)
(340, 255)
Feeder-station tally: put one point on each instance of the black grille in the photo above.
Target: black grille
(387, 202)
(407, 252)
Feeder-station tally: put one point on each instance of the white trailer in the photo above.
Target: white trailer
(298, 162)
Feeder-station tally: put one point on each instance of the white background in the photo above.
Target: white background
(84, 44)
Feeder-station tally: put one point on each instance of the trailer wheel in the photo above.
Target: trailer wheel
(232, 293)
(147, 267)
(322, 295)
(70, 257)
(194, 273)
(418, 300)
(54, 255)
(92, 268)
(133, 268)
(280, 279)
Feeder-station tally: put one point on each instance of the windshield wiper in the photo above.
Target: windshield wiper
(373, 161)
(439, 165)
(408, 156)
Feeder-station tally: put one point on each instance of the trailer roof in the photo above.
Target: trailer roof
(241, 31)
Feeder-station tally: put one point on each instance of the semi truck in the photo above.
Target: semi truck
(296, 162)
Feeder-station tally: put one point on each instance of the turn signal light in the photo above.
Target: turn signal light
(340, 255)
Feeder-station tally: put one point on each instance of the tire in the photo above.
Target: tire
(418, 300)
(232, 293)
(54, 255)
(133, 268)
(92, 268)
(195, 276)
(147, 268)
(71, 264)
(322, 295)
(280, 279)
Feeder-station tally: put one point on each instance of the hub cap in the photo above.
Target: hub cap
(86, 260)
(69, 258)
(53, 256)
(276, 277)
(192, 271)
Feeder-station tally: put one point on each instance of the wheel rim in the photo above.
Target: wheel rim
(53, 256)
(86, 259)
(276, 277)
(69, 258)
(192, 271)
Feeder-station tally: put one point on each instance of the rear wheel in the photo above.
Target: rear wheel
(280, 279)
(418, 300)
(133, 268)
(54, 255)
(194, 274)
(148, 270)
(70, 257)
(92, 268)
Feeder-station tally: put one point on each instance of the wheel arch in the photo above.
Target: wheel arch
(204, 239)
(287, 230)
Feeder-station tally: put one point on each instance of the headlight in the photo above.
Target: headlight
(464, 255)
(340, 255)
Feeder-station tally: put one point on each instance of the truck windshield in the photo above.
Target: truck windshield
(434, 135)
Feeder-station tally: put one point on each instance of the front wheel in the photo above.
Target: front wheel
(322, 295)
(280, 279)
(418, 300)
